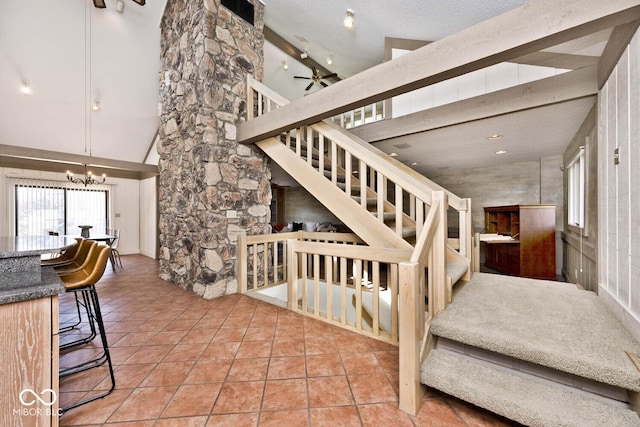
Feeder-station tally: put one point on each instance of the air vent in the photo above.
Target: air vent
(242, 8)
(402, 145)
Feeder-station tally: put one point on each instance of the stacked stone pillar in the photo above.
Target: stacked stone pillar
(211, 187)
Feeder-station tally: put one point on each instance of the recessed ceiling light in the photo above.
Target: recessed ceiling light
(330, 59)
(494, 137)
(25, 88)
(349, 21)
(394, 154)
(414, 163)
(499, 152)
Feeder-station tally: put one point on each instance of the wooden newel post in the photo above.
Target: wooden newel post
(409, 305)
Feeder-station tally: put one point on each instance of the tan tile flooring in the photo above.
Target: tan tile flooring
(181, 360)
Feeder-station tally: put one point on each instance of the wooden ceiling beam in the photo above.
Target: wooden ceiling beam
(552, 90)
(533, 27)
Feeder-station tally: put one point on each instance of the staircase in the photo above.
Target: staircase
(537, 352)
(540, 353)
(360, 178)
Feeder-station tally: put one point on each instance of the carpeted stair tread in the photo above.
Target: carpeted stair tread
(456, 269)
(524, 400)
(548, 323)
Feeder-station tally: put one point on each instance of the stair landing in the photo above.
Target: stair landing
(552, 324)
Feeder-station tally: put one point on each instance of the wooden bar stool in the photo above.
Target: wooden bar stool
(83, 281)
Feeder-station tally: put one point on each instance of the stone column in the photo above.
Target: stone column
(211, 188)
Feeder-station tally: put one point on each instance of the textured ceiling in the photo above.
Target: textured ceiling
(320, 24)
(43, 42)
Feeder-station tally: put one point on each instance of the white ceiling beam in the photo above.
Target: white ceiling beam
(530, 28)
(59, 162)
(551, 90)
(557, 60)
(618, 42)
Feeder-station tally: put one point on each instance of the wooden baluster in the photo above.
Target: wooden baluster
(259, 104)
(321, 154)
(393, 286)
(363, 184)
(399, 210)
(265, 263)
(292, 276)
(298, 141)
(316, 285)
(329, 280)
(347, 167)
(255, 266)
(358, 289)
(276, 246)
(242, 263)
(310, 146)
(376, 298)
(343, 290)
(304, 275)
(419, 217)
(334, 163)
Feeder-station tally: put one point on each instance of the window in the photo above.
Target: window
(41, 208)
(576, 189)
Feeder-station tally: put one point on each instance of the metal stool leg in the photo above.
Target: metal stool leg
(96, 315)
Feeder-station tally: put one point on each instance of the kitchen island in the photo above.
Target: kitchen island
(29, 331)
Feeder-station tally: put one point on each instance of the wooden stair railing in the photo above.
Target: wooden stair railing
(402, 196)
(388, 205)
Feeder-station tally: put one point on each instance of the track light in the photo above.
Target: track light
(304, 54)
(349, 22)
(120, 6)
(285, 66)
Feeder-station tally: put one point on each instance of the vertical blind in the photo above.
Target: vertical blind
(52, 206)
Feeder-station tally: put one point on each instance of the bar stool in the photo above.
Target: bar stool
(84, 281)
(64, 259)
(79, 258)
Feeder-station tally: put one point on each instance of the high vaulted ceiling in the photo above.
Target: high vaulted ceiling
(73, 54)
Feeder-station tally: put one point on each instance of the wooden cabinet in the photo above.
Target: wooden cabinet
(531, 251)
(29, 368)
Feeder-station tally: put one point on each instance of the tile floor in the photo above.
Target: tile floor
(181, 360)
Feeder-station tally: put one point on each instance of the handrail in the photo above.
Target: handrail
(370, 154)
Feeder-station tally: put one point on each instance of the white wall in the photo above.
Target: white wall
(148, 217)
(618, 184)
(124, 209)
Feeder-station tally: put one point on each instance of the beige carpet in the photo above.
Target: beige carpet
(548, 323)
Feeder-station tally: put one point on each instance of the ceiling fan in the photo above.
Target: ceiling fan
(316, 78)
(100, 3)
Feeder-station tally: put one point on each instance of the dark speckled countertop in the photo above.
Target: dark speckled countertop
(21, 277)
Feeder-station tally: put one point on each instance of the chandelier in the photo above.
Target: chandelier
(89, 178)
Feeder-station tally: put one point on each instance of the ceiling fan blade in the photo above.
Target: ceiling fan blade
(301, 77)
(309, 87)
(329, 76)
(99, 3)
(140, 2)
(324, 84)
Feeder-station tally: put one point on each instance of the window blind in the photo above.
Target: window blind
(43, 206)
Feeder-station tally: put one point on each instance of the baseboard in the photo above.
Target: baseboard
(628, 320)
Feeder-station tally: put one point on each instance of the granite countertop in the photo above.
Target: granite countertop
(27, 285)
(21, 246)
